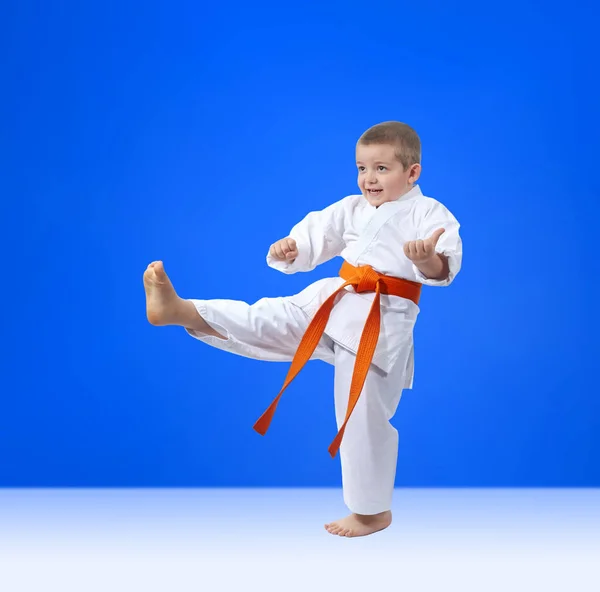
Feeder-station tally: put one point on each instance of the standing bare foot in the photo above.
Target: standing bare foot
(359, 524)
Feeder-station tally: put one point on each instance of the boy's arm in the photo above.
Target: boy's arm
(319, 238)
(435, 268)
(437, 256)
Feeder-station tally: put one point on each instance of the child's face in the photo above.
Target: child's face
(381, 176)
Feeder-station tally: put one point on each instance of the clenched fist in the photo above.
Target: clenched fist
(284, 250)
(419, 251)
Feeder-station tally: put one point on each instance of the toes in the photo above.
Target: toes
(150, 270)
(338, 529)
(159, 270)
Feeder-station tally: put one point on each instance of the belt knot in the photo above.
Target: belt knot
(368, 279)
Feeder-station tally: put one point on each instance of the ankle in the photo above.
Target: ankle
(367, 517)
(192, 320)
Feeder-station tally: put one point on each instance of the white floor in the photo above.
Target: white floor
(273, 539)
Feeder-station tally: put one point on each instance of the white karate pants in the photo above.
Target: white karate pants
(270, 330)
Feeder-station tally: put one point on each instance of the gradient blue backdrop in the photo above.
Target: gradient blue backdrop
(198, 134)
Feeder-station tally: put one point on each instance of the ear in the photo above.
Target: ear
(415, 173)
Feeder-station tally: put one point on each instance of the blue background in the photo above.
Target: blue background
(199, 134)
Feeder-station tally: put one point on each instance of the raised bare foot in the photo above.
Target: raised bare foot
(360, 525)
(162, 302)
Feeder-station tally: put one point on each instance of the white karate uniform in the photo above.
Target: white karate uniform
(271, 328)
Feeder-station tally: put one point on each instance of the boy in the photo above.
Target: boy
(393, 239)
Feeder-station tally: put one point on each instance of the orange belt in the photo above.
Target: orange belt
(364, 279)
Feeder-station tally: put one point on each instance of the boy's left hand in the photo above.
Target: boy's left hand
(419, 251)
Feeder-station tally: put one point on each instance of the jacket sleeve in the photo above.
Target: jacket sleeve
(319, 238)
(449, 244)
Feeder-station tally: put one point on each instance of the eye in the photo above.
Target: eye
(382, 168)
(361, 168)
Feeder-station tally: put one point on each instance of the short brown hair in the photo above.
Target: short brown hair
(400, 135)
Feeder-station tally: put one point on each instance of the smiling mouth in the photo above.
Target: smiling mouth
(374, 191)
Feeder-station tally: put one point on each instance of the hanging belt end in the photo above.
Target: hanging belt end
(335, 445)
(262, 425)
(264, 421)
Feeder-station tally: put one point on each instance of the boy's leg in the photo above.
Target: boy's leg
(269, 329)
(369, 449)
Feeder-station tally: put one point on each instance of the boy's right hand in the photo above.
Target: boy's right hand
(284, 250)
